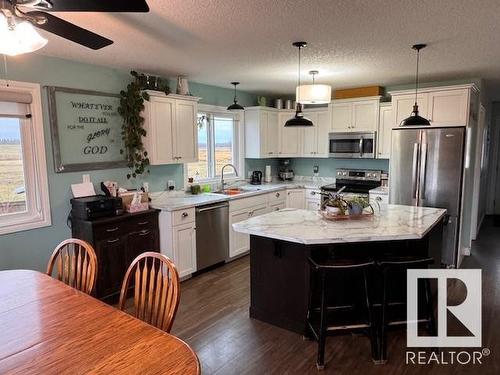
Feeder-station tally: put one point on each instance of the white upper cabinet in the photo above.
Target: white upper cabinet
(171, 132)
(442, 106)
(448, 108)
(290, 137)
(355, 115)
(315, 138)
(384, 132)
(261, 132)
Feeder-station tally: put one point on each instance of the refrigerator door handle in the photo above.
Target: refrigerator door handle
(423, 167)
(414, 171)
(361, 141)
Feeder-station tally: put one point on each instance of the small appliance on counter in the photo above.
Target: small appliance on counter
(256, 178)
(89, 208)
(285, 173)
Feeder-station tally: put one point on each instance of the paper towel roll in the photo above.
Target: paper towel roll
(268, 177)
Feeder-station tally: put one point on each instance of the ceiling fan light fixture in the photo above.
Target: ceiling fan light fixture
(235, 106)
(415, 119)
(18, 38)
(314, 93)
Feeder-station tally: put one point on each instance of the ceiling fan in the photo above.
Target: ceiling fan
(30, 13)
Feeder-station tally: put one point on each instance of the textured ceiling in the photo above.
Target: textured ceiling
(351, 42)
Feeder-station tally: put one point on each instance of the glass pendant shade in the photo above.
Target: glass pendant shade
(314, 94)
(19, 38)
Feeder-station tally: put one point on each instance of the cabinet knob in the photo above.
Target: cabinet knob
(185, 214)
(313, 193)
(277, 195)
(378, 198)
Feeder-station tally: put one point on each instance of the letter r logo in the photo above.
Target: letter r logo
(468, 312)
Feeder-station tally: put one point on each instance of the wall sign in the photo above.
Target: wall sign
(86, 129)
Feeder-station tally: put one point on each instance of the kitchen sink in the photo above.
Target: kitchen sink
(236, 191)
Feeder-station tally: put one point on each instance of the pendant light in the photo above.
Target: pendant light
(414, 118)
(314, 94)
(235, 106)
(299, 119)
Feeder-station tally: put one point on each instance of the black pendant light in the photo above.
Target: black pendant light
(415, 119)
(235, 106)
(299, 119)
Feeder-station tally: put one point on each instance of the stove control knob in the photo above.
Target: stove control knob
(344, 174)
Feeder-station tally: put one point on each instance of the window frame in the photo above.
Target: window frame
(35, 166)
(238, 144)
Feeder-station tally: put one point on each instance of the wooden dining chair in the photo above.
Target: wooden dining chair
(156, 289)
(76, 264)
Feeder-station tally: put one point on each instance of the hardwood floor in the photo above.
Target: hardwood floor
(213, 319)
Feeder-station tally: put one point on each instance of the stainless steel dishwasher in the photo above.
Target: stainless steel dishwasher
(212, 234)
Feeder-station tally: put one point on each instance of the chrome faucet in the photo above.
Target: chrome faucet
(222, 183)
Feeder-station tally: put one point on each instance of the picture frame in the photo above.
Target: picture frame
(86, 129)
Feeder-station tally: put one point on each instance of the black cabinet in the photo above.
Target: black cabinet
(118, 241)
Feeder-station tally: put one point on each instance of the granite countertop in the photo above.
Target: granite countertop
(396, 222)
(179, 200)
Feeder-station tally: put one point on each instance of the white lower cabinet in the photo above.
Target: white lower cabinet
(238, 242)
(295, 198)
(313, 205)
(277, 206)
(380, 199)
(178, 239)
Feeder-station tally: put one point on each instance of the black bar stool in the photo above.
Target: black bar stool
(320, 329)
(388, 266)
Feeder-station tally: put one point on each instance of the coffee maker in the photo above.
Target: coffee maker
(256, 178)
(285, 173)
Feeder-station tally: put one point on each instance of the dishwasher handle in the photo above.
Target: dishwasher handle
(209, 208)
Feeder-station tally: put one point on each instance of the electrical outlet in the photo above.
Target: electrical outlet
(170, 185)
(86, 178)
(145, 186)
(316, 170)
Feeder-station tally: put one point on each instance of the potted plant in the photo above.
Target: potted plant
(334, 204)
(357, 205)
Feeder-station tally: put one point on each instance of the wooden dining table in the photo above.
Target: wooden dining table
(47, 327)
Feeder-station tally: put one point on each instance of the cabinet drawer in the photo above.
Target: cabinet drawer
(110, 231)
(276, 197)
(250, 202)
(380, 198)
(183, 216)
(313, 194)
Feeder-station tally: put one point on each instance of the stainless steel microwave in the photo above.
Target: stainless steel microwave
(352, 145)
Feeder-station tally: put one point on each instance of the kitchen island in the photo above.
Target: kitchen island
(281, 243)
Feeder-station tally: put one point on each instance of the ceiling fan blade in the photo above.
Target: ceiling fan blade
(99, 6)
(70, 31)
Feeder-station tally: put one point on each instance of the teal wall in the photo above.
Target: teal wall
(31, 249)
(304, 167)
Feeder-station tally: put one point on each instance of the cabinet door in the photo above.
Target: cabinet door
(185, 132)
(272, 132)
(313, 204)
(310, 136)
(384, 132)
(238, 242)
(259, 211)
(140, 242)
(365, 116)
(160, 130)
(290, 137)
(402, 106)
(341, 117)
(295, 198)
(449, 108)
(322, 129)
(184, 243)
(112, 265)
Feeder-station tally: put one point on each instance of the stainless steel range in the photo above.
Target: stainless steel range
(356, 182)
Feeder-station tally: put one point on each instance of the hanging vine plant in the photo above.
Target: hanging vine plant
(131, 106)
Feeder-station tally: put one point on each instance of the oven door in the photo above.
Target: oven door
(352, 145)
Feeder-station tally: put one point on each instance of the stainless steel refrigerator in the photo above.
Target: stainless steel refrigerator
(426, 169)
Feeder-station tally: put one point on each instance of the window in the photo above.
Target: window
(24, 201)
(217, 146)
